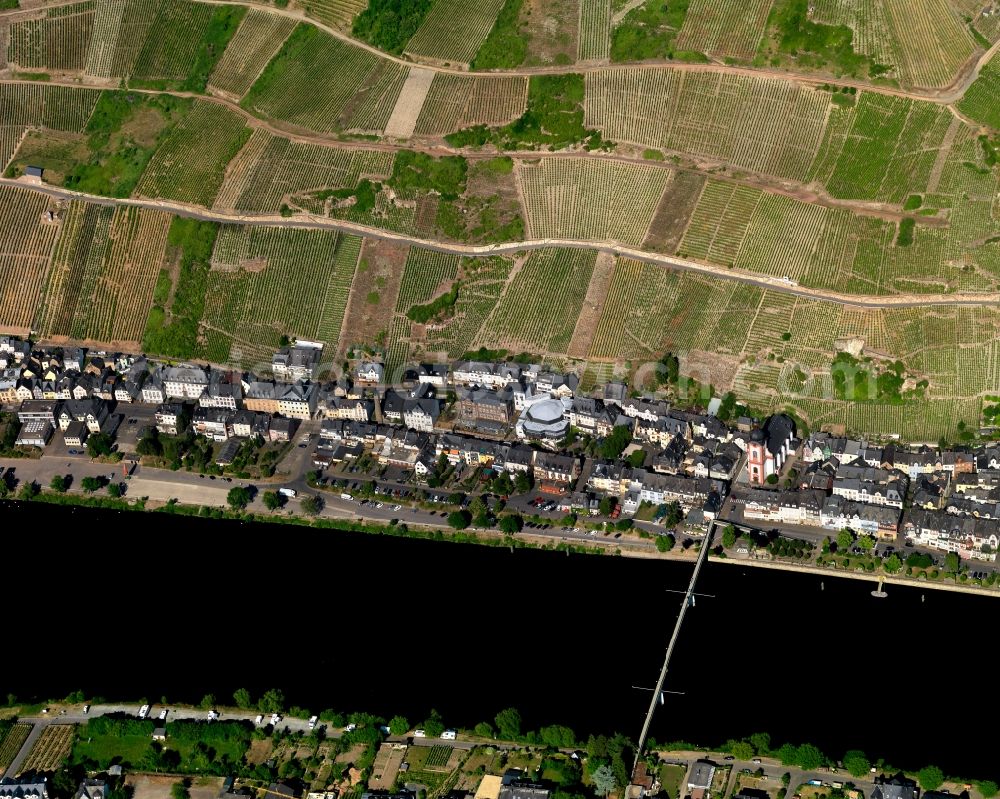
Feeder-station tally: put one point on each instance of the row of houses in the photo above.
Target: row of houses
(943, 529)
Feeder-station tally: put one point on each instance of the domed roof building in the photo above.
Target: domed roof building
(544, 418)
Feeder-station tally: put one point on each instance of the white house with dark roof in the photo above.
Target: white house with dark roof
(298, 362)
(24, 789)
(91, 789)
(701, 775)
(184, 382)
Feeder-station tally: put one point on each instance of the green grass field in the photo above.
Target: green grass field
(105, 748)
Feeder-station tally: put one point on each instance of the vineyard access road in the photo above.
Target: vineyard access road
(473, 250)
(945, 95)
(787, 188)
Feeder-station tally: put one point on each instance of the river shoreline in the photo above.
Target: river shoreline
(627, 548)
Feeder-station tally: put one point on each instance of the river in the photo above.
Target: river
(124, 605)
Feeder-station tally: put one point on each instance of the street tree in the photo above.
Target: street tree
(728, 537)
(856, 762)
(892, 564)
(29, 490)
(59, 483)
(511, 524)
(603, 779)
(742, 750)
(99, 444)
(484, 729)
(809, 757)
(273, 500)
(273, 701)
(761, 742)
(844, 540)
(930, 778)
(508, 723)
(398, 725)
(433, 725)
(207, 702)
(312, 505)
(90, 484)
(987, 788)
(788, 754)
(242, 698)
(866, 543)
(459, 519)
(522, 483)
(664, 543)
(238, 497)
(115, 490)
(952, 561)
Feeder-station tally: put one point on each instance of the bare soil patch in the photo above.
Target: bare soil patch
(593, 304)
(386, 766)
(404, 115)
(147, 786)
(551, 29)
(711, 368)
(673, 213)
(259, 751)
(374, 291)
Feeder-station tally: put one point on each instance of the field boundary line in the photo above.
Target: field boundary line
(309, 222)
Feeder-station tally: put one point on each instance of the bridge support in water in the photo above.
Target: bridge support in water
(686, 602)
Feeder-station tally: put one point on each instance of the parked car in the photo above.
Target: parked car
(419, 734)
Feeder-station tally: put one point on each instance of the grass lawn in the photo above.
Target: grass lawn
(671, 778)
(104, 748)
(131, 748)
(234, 749)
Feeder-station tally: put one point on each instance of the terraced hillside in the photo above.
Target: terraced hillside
(217, 176)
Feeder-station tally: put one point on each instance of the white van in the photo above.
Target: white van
(348, 497)
(143, 711)
(448, 735)
(312, 722)
(288, 492)
(419, 734)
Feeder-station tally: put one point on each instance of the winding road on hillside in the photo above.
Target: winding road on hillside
(788, 188)
(945, 95)
(505, 248)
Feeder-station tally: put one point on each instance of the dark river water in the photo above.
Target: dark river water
(124, 605)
